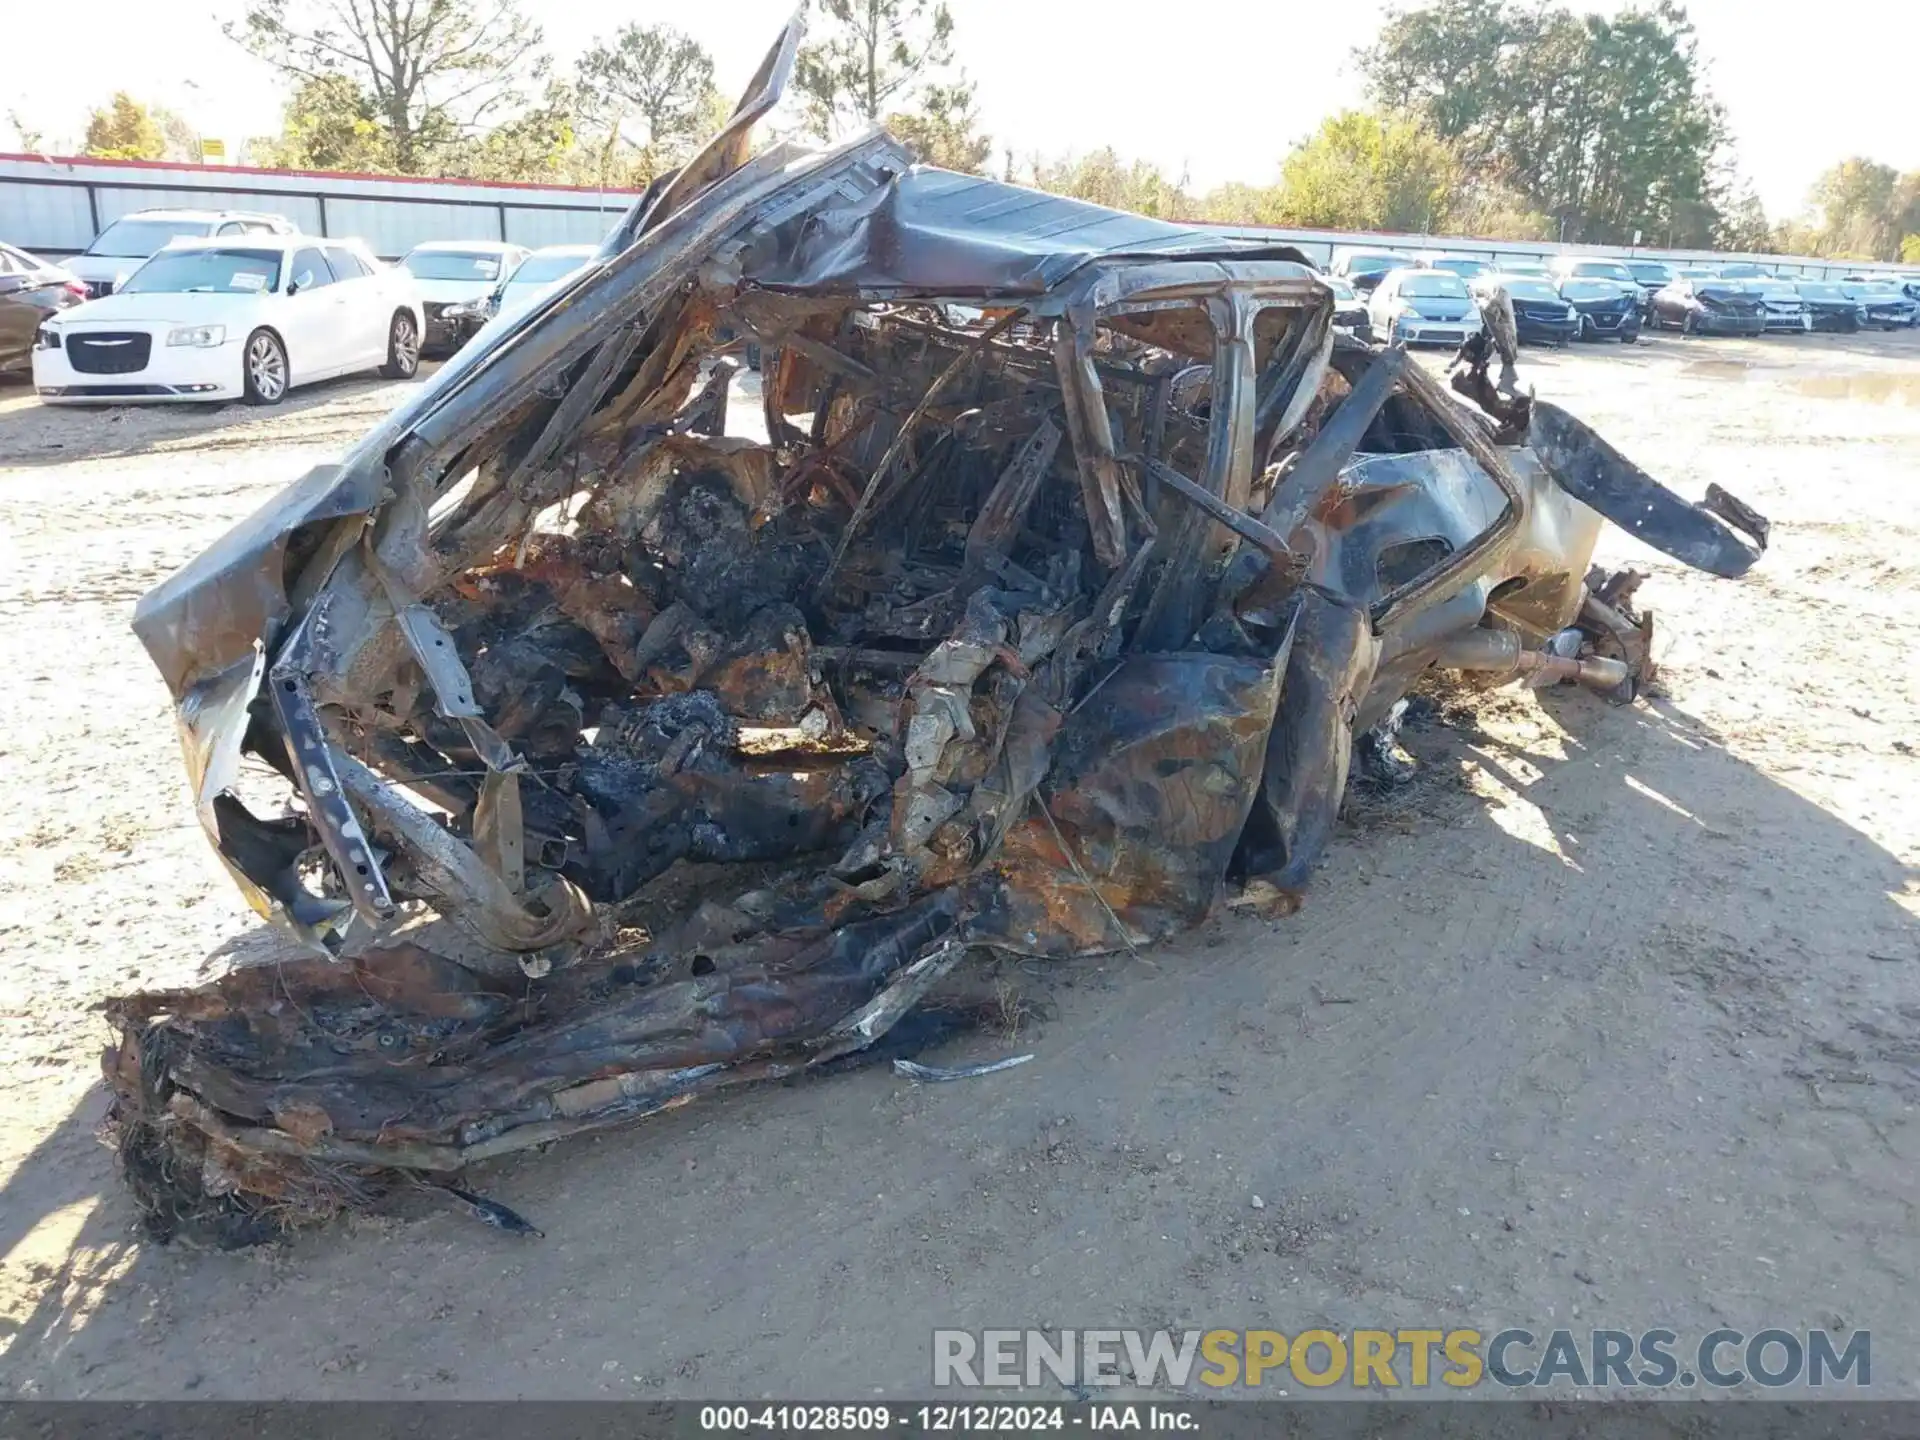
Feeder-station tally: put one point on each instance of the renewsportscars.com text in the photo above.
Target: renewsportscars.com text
(1402, 1359)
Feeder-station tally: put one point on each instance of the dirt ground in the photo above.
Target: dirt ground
(1613, 1018)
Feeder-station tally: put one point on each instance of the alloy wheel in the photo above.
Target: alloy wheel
(406, 344)
(267, 367)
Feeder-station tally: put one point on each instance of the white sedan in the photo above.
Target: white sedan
(540, 273)
(455, 278)
(227, 319)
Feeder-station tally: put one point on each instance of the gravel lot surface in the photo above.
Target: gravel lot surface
(1613, 1018)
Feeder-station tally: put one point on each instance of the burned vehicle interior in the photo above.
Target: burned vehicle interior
(1066, 569)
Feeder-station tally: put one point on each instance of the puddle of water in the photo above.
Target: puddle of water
(1878, 389)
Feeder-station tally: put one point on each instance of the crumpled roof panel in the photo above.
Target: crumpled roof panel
(935, 232)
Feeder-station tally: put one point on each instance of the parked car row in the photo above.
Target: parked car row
(1786, 303)
(1708, 303)
(231, 305)
(1440, 299)
(225, 304)
(1416, 298)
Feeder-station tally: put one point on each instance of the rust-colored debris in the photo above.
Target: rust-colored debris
(1070, 555)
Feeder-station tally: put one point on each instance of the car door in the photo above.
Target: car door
(363, 317)
(1380, 304)
(17, 318)
(311, 309)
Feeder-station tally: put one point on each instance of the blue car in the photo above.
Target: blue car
(1540, 315)
(1883, 304)
(1608, 309)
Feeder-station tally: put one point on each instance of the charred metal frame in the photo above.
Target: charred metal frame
(1046, 623)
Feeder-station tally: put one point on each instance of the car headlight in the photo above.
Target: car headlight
(1407, 312)
(46, 338)
(205, 336)
(470, 309)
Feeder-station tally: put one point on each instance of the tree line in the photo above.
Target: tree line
(1482, 117)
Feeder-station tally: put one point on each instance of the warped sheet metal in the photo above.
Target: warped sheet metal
(1058, 586)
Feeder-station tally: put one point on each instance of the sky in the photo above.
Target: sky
(1221, 101)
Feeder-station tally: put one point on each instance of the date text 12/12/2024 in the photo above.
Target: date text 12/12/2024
(944, 1419)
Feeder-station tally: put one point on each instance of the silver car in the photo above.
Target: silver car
(1423, 307)
(1786, 310)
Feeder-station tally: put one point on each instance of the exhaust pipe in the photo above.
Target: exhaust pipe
(1500, 652)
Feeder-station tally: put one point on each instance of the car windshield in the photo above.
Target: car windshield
(1461, 265)
(1341, 289)
(211, 272)
(1373, 264)
(1525, 267)
(1602, 270)
(1819, 290)
(1434, 285)
(539, 269)
(137, 239)
(1777, 290)
(481, 265)
(1580, 289)
(1648, 273)
(1525, 287)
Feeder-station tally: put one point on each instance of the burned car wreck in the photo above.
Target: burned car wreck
(1070, 562)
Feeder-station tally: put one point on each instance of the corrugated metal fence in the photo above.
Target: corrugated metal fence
(55, 206)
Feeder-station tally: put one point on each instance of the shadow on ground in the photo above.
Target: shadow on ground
(33, 434)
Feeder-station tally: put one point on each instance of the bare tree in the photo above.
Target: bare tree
(182, 140)
(27, 137)
(434, 68)
(658, 77)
